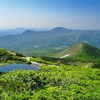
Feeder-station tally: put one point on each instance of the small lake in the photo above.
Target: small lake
(11, 67)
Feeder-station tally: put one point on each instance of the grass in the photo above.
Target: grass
(51, 83)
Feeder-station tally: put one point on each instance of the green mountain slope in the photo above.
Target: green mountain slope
(8, 56)
(80, 51)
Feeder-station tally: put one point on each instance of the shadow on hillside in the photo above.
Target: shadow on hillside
(96, 66)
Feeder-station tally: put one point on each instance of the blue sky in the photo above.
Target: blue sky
(73, 14)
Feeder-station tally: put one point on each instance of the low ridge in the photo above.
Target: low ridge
(81, 51)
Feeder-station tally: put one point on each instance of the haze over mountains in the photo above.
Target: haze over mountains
(15, 31)
(12, 31)
(59, 38)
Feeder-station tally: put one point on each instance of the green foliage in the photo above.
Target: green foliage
(43, 60)
(10, 57)
(51, 83)
(81, 51)
(19, 54)
(96, 65)
(89, 52)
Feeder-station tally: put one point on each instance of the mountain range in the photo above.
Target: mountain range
(12, 31)
(43, 42)
(15, 31)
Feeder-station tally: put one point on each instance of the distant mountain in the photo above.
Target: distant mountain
(43, 42)
(80, 51)
(12, 31)
(15, 31)
(60, 29)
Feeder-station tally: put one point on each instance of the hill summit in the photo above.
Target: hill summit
(80, 51)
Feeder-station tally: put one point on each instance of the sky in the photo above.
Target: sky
(72, 14)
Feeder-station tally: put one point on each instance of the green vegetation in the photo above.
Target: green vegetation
(51, 83)
(71, 78)
(34, 52)
(81, 51)
(10, 57)
(66, 61)
(43, 60)
(72, 51)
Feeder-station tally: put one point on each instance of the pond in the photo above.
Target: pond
(11, 67)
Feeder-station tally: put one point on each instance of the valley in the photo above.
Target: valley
(45, 42)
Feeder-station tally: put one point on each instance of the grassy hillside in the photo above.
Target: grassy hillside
(80, 51)
(73, 50)
(51, 83)
(8, 56)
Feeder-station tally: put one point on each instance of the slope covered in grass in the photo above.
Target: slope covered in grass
(81, 51)
(51, 83)
(8, 56)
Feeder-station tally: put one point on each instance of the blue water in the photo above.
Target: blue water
(11, 67)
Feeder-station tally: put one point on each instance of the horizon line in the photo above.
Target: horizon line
(49, 28)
